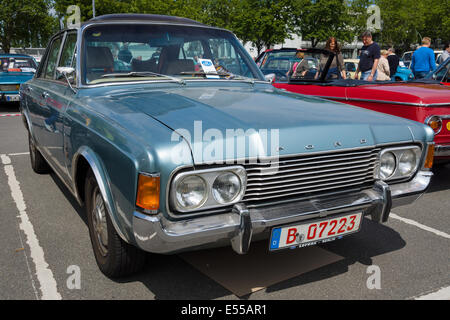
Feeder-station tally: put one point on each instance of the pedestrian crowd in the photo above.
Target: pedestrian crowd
(376, 64)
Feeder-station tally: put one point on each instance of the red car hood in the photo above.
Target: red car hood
(414, 93)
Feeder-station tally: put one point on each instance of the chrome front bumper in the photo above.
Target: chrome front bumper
(442, 151)
(239, 227)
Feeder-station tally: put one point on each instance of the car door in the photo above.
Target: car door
(55, 94)
(40, 113)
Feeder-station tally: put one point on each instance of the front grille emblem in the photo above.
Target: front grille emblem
(309, 147)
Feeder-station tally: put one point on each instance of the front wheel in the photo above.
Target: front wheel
(114, 257)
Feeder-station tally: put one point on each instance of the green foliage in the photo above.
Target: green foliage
(405, 22)
(260, 22)
(25, 23)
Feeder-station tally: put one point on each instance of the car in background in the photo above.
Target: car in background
(441, 74)
(424, 102)
(403, 74)
(136, 148)
(350, 66)
(15, 69)
(274, 53)
(407, 57)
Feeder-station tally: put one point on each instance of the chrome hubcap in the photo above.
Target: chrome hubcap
(99, 223)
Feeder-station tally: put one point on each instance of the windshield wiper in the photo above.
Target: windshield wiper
(142, 74)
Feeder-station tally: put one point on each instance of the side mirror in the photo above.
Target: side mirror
(68, 73)
(270, 77)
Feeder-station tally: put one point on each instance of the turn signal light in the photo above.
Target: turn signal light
(430, 156)
(148, 193)
(435, 123)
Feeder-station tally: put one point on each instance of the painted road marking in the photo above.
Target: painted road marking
(44, 275)
(10, 115)
(18, 154)
(442, 294)
(419, 225)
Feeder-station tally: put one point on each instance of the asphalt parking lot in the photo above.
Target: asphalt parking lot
(45, 242)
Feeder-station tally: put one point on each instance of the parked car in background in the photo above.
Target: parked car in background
(402, 74)
(441, 74)
(136, 148)
(427, 103)
(407, 57)
(15, 69)
(274, 53)
(350, 66)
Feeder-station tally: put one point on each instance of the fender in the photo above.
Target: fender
(103, 183)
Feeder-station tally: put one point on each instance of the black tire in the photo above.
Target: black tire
(115, 258)
(38, 163)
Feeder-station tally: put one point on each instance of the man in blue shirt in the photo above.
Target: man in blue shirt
(423, 59)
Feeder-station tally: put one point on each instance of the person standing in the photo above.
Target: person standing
(446, 54)
(393, 60)
(383, 67)
(423, 60)
(370, 56)
(337, 67)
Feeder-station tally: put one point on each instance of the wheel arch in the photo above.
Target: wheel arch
(83, 160)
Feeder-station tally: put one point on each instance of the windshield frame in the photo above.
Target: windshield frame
(82, 57)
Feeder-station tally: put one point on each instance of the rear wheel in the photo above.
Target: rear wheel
(38, 163)
(114, 257)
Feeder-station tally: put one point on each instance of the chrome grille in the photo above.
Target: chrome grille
(310, 175)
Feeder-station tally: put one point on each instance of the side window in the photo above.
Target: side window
(68, 51)
(68, 54)
(52, 58)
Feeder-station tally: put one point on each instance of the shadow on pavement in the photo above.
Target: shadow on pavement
(441, 178)
(9, 107)
(170, 278)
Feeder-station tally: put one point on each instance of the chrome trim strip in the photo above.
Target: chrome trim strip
(389, 102)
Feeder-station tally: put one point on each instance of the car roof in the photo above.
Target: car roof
(139, 17)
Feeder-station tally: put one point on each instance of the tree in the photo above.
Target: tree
(317, 20)
(25, 23)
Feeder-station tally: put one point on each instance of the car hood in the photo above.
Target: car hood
(405, 93)
(274, 122)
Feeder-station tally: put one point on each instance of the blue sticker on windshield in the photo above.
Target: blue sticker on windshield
(207, 63)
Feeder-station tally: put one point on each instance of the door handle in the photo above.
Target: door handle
(45, 95)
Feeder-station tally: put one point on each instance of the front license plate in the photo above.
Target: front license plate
(312, 233)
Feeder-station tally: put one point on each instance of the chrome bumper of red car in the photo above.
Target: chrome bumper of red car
(442, 151)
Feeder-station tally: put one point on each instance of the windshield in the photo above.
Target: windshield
(145, 52)
(17, 64)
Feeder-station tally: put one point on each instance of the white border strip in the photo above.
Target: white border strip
(44, 274)
(442, 294)
(419, 225)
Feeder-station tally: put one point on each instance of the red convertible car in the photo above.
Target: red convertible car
(424, 101)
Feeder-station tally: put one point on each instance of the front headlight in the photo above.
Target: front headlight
(407, 162)
(387, 165)
(207, 189)
(191, 192)
(226, 187)
(399, 163)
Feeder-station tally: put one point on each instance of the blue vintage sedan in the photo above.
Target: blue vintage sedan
(186, 146)
(15, 69)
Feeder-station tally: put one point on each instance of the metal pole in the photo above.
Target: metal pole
(93, 8)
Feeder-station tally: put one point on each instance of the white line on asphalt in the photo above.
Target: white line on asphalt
(419, 225)
(18, 154)
(442, 294)
(10, 115)
(28, 267)
(44, 274)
